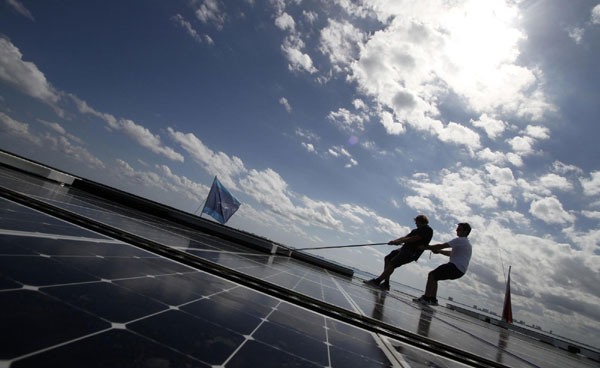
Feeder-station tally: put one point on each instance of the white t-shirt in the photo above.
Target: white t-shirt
(461, 253)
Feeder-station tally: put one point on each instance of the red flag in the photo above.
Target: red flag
(507, 311)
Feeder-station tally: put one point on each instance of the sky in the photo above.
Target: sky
(337, 122)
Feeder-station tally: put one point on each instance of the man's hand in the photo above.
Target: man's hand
(394, 242)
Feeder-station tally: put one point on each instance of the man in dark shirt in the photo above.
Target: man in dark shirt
(414, 245)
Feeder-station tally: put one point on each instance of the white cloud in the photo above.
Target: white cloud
(146, 139)
(550, 210)
(61, 143)
(391, 125)
(308, 146)
(552, 181)
(576, 33)
(74, 151)
(209, 12)
(427, 49)
(20, 8)
(25, 75)
(307, 134)
(455, 193)
(146, 178)
(339, 151)
(591, 214)
(514, 159)
(360, 104)
(84, 108)
(563, 168)
(595, 17)
(54, 126)
(215, 163)
(420, 203)
(298, 60)
(348, 121)
(340, 41)
(310, 16)
(284, 102)
(591, 186)
(184, 185)
(17, 129)
(285, 22)
(138, 133)
(270, 190)
(459, 134)
(497, 157)
(537, 132)
(181, 22)
(493, 127)
(522, 145)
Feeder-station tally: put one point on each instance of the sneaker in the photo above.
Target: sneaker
(426, 300)
(422, 299)
(385, 286)
(372, 282)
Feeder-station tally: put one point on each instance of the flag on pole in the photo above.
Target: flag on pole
(507, 311)
(220, 203)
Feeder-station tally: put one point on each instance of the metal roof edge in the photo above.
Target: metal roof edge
(163, 211)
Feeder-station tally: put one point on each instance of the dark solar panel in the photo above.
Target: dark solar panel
(81, 298)
(74, 307)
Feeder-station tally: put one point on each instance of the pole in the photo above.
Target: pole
(203, 202)
(342, 246)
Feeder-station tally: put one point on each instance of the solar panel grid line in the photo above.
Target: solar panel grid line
(10, 362)
(394, 358)
(326, 328)
(144, 316)
(250, 336)
(55, 236)
(128, 212)
(457, 327)
(259, 286)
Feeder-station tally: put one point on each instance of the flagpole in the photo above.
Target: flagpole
(507, 310)
(204, 203)
(201, 204)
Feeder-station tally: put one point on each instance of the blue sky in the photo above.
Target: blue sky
(336, 123)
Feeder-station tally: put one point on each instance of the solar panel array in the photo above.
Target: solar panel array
(71, 296)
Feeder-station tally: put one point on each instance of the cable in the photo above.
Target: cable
(341, 246)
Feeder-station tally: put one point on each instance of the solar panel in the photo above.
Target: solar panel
(71, 296)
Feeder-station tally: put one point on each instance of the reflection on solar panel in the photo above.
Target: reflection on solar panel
(86, 281)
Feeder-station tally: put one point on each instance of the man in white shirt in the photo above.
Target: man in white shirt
(460, 255)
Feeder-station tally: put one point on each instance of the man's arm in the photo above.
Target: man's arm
(437, 248)
(405, 239)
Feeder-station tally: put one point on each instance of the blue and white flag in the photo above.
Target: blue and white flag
(220, 204)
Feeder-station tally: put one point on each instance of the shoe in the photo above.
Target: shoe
(426, 300)
(422, 299)
(372, 282)
(385, 286)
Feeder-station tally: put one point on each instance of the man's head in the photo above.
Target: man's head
(463, 229)
(421, 220)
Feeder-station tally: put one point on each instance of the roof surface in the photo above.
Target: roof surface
(88, 281)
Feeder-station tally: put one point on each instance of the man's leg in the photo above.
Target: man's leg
(446, 271)
(387, 272)
(431, 287)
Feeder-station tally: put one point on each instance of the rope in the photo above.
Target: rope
(342, 246)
